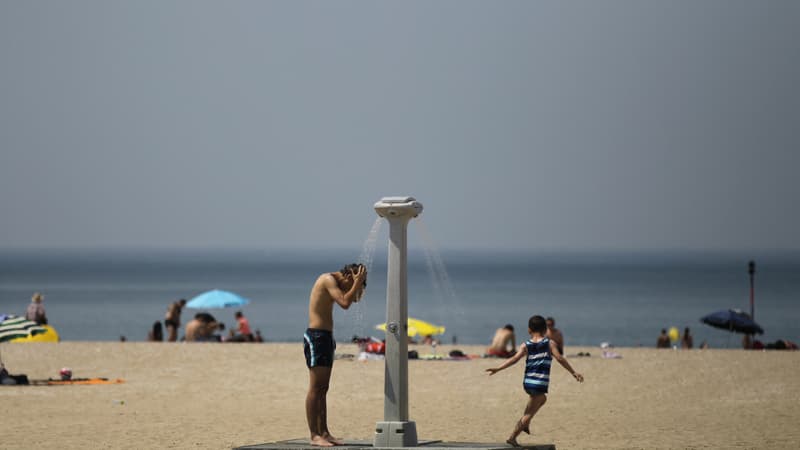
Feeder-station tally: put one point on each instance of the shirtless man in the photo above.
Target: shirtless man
(172, 319)
(663, 339)
(344, 288)
(503, 343)
(554, 334)
(202, 328)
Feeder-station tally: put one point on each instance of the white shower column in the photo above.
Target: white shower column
(396, 430)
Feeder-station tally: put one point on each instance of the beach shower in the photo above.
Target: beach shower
(396, 430)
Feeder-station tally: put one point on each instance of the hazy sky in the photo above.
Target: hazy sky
(589, 125)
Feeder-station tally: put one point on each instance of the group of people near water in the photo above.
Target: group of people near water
(346, 287)
(750, 343)
(687, 340)
(202, 328)
(665, 340)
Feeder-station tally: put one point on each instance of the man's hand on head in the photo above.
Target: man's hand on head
(360, 275)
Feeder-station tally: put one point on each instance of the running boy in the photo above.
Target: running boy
(540, 352)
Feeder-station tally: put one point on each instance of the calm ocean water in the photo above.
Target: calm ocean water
(624, 299)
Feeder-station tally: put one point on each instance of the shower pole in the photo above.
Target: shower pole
(396, 430)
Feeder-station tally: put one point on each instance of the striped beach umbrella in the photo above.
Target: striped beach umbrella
(12, 327)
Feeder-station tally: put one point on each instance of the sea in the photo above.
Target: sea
(623, 299)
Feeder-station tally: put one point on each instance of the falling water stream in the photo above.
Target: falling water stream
(448, 308)
(365, 258)
(449, 304)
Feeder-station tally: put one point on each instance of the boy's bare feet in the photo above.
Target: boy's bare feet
(333, 440)
(319, 441)
(512, 442)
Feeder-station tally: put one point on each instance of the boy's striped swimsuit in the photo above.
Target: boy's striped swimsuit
(537, 367)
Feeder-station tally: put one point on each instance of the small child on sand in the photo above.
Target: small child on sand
(540, 352)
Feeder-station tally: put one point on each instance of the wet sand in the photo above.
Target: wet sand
(215, 396)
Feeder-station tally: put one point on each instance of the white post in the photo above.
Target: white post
(396, 430)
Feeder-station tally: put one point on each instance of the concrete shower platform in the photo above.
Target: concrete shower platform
(302, 444)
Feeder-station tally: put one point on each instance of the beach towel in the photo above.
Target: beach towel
(76, 381)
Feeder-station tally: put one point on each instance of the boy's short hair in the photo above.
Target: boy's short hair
(351, 269)
(537, 324)
(509, 327)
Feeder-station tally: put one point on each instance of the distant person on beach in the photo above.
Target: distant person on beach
(202, 329)
(156, 334)
(172, 320)
(342, 288)
(429, 340)
(781, 344)
(687, 341)
(555, 334)
(663, 339)
(503, 343)
(539, 352)
(243, 327)
(35, 311)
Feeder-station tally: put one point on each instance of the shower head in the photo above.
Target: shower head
(398, 207)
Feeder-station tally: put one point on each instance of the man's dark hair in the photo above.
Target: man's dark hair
(205, 317)
(509, 327)
(351, 269)
(537, 324)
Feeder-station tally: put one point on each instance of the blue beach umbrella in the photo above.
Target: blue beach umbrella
(733, 320)
(217, 299)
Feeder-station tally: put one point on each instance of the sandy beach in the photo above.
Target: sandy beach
(216, 396)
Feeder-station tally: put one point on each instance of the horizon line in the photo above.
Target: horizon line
(412, 248)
